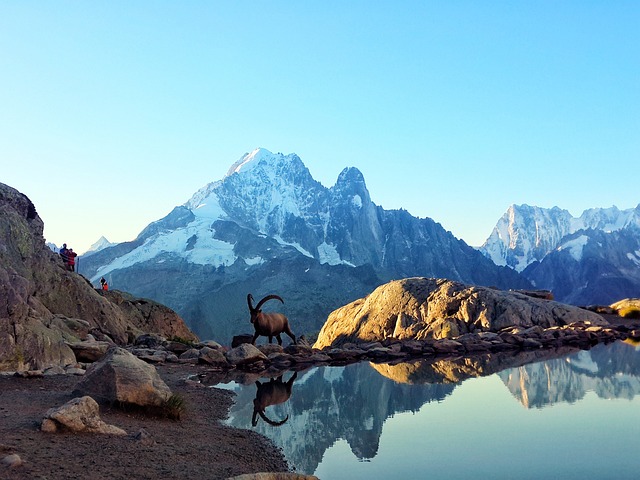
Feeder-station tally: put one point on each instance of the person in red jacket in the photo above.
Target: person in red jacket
(71, 259)
(105, 285)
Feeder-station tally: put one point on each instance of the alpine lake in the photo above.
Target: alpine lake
(563, 414)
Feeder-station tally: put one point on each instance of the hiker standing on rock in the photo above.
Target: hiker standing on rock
(105, 285)
(72, 259)
(64, 253)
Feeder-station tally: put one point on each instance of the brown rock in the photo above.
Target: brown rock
(78, 415)
(12, 461)
(213, 357)
(244, 354)
(89, 351)
(422, 308)
(120, 377)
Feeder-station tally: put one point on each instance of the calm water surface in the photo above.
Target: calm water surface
(565, 415)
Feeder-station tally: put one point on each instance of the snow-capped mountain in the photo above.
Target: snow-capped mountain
(594, 258)
(591, 267)
(100, 244)
(525, 234)
(269, 227)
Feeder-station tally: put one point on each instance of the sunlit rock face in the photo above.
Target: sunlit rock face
(421, 308)
(42, 304)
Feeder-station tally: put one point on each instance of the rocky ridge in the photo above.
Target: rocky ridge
(44, 307)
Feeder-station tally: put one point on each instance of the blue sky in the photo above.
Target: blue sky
(112, 113)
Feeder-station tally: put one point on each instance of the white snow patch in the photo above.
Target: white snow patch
(575, 247)
(206, 206)
(100, 244)
(258, 260)
(249, 161)
(356, 201)
(207, 250)
(297, 246)
(328, 254)
(634, 257)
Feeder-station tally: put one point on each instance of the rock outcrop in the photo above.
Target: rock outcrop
(628, 306)
(122, 378)
(78, 415)
(43, 306)
(427, 308)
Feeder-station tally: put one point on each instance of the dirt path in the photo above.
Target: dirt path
(197, 446)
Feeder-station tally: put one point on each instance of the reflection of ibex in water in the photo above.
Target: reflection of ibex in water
(268, 324)
(273, 392)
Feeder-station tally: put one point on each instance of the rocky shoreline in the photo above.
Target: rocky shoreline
(212, 449)
(271, 360)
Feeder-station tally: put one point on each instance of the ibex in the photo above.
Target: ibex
(268, 324)
(270, 393)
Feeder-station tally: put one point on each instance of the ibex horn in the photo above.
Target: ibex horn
(268, 297)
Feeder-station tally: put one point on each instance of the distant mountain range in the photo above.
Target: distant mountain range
(592, 259)
(269, 227)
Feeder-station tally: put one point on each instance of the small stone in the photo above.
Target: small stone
(244, 354)
(213, 357)
(240, 339)
(191, 353)
(48, 426)
(210, 344)
(531, 343)
(144, 438)
(270, 348)
(447, 346)
(55, 370)
(12, 461)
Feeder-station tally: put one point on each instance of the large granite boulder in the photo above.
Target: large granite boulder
(121, 378)
(44, 307)
(421, 308)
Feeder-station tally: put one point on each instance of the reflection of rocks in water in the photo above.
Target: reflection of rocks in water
(611, 371)
(332, 403)
(455, 370)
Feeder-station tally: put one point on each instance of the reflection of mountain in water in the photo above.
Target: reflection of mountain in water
(353, 402)
(332, 403)
(611, 371)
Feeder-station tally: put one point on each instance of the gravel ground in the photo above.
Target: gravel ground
(196, 446)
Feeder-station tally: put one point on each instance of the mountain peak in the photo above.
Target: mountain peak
(248, 160)
(98, 245)
(351, 182)
(350, 175)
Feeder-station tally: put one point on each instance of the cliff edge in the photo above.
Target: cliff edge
(43, 306)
